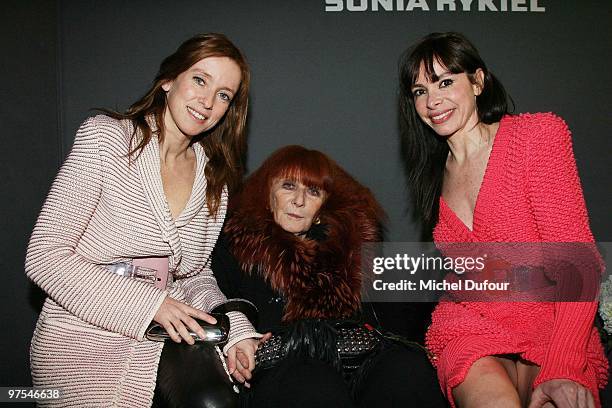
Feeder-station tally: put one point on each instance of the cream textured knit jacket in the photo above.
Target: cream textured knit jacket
(89, 339)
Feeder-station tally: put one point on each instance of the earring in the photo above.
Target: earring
(317, 221)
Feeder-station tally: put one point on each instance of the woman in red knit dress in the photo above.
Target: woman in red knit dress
(480, 175)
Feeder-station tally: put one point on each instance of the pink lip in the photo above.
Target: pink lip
(195, 110)
(448, 113)
(294, 216)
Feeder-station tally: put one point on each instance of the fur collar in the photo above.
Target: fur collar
(319, 278)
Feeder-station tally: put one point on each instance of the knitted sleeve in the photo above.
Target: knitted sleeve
(83, 288)
(201, 291)
(560, 212)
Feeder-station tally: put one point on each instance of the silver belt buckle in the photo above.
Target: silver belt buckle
(130, 271)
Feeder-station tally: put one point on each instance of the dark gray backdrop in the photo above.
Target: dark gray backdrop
(327, 80)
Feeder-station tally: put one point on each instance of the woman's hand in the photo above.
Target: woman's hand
(562, 393)
(177, 316)
(241, 358)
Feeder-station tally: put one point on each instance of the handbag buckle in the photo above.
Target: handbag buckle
(131, 271)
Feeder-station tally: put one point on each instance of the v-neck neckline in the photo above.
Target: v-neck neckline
(491, 165)
(197, 197)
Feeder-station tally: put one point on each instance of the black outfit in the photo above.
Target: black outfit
(177, 387)
(397, 376)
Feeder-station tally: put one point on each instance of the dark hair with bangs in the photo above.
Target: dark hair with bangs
(423, 151)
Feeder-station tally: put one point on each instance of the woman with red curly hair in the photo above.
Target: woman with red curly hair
(296, 230)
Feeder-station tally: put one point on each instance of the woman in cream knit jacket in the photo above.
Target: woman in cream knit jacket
(152, 182)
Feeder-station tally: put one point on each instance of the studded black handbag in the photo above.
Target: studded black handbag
(352, 344)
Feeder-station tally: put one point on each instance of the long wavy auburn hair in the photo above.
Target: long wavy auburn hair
(224, 144)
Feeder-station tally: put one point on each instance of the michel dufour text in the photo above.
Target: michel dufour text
(441, 285)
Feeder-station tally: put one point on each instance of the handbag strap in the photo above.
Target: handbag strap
(239, 305)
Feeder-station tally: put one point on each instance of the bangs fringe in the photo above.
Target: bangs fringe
(447, 56)
(309, 167)
(311, 177)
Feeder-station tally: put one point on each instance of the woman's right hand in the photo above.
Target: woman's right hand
(562, 393)
(177, 317)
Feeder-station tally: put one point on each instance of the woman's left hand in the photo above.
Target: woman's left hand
(562, 393)
(241, 358)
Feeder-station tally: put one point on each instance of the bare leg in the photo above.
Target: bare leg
(509, 364)
(490, 378)
(526, 374)
(490, 382)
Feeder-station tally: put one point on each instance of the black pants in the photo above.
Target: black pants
(398, 376)
(192, 377)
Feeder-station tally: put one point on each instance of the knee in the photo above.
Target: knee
(485, 400)
(215, 397)
(211, 395)
(486, 384)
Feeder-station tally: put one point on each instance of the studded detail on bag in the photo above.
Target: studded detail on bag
(354, 344)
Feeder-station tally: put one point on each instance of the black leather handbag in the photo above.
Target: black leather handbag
(194, 376)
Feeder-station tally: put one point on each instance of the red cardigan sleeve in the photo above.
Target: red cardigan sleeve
(560, 212)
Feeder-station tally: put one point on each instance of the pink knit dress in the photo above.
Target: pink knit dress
(103, 209)
(530, 193)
